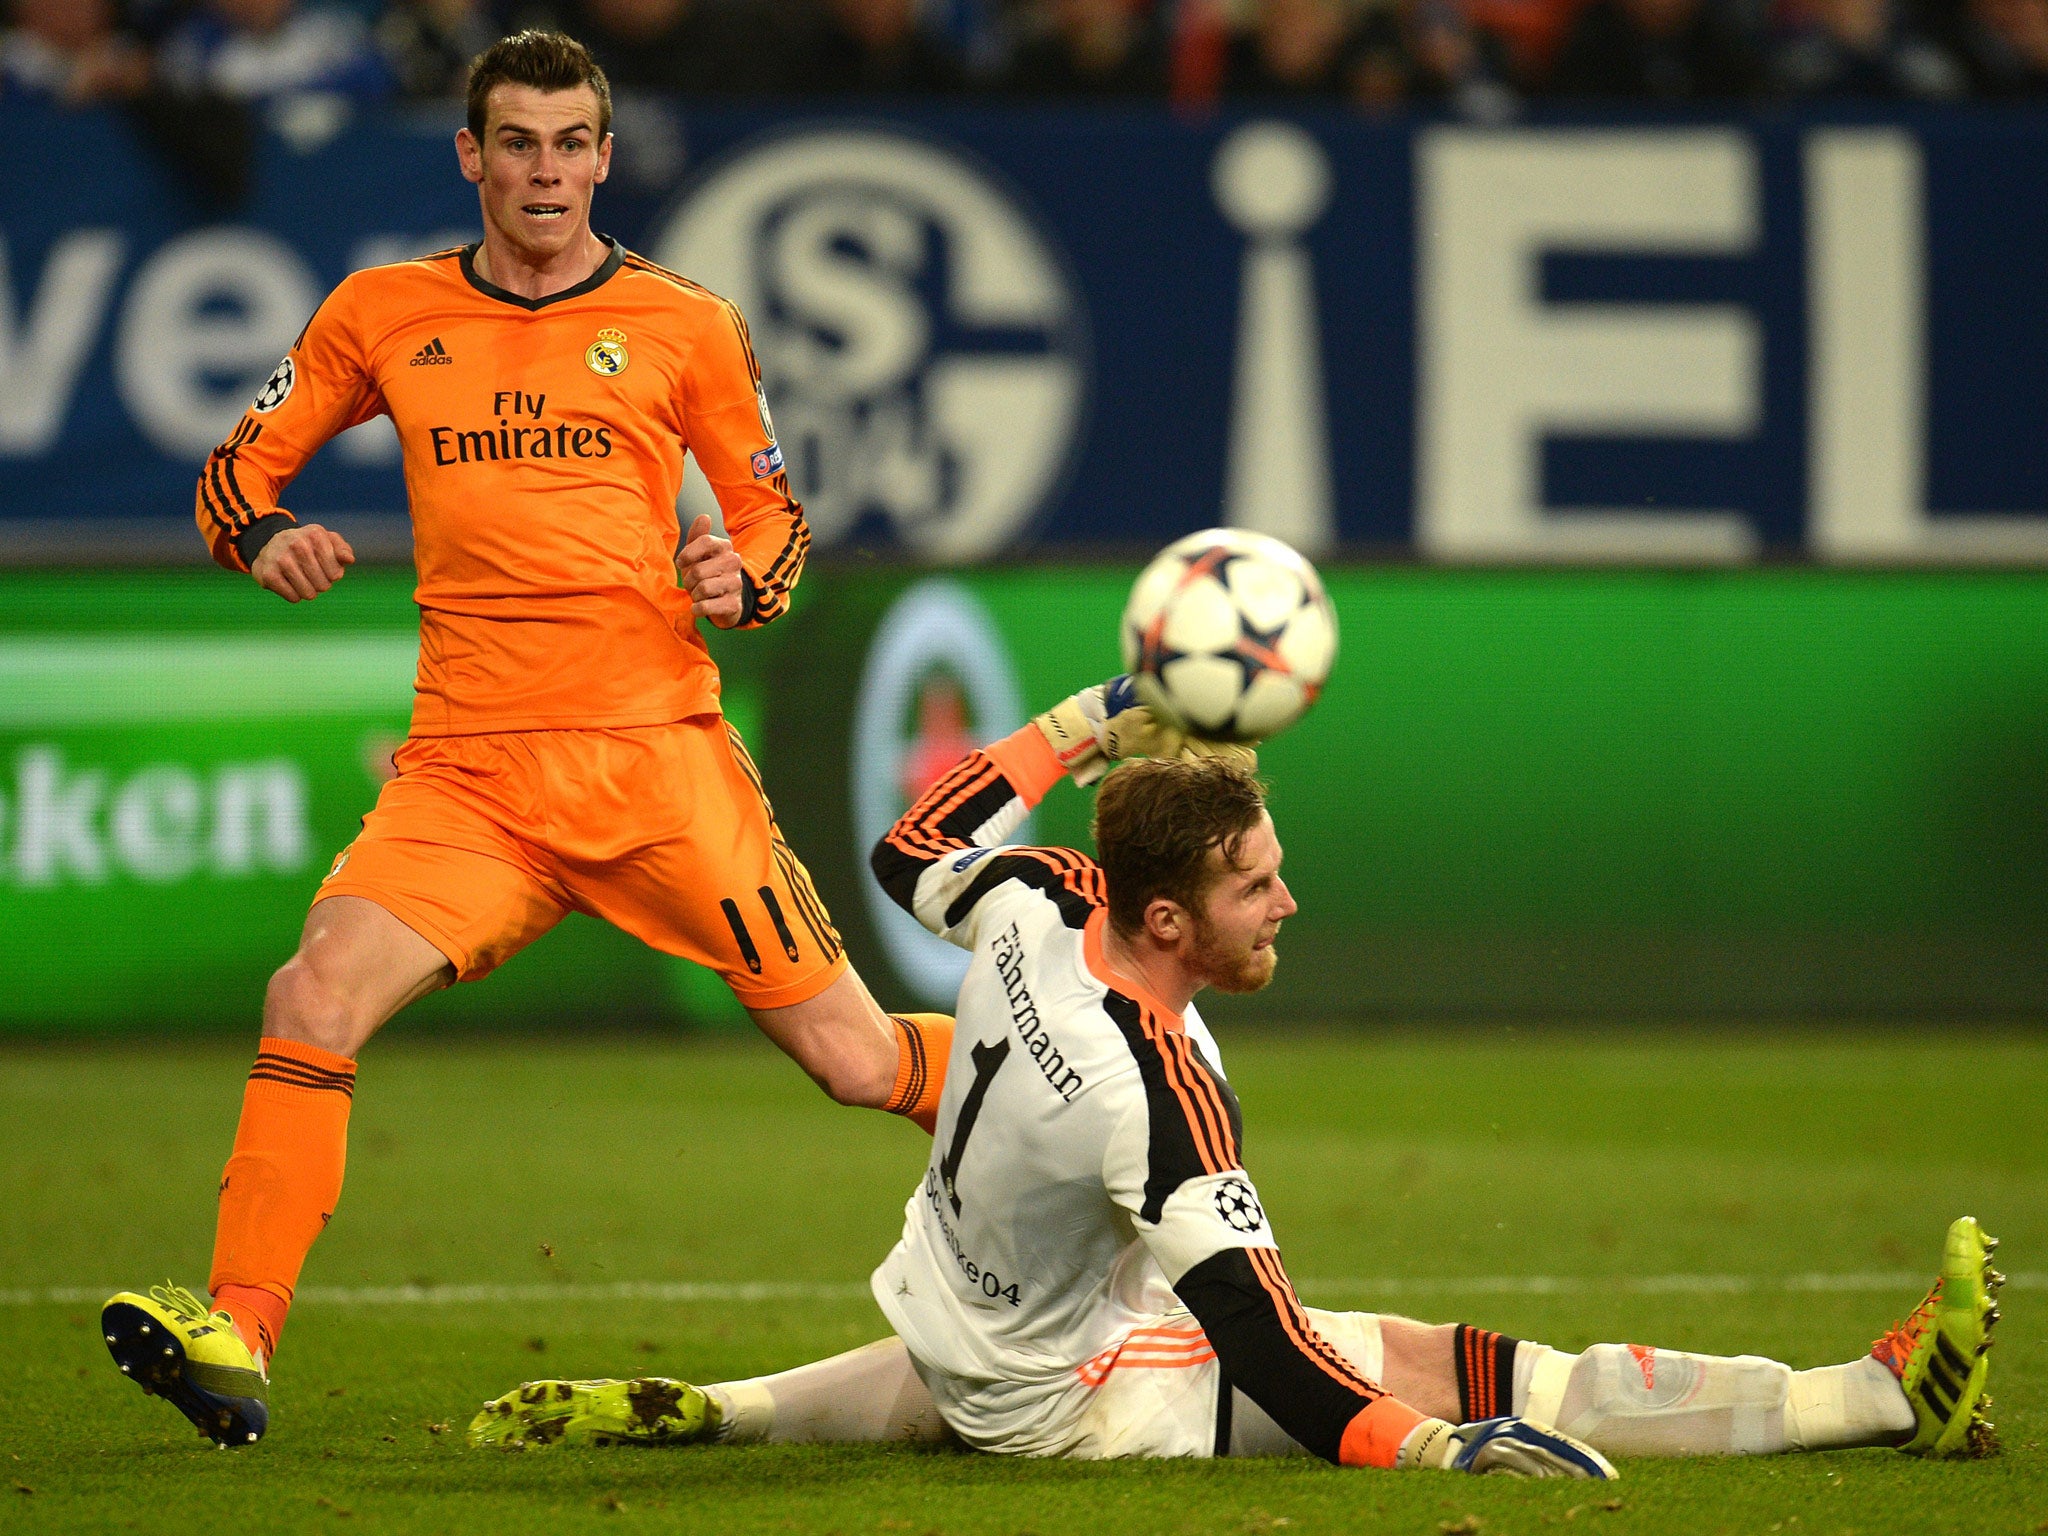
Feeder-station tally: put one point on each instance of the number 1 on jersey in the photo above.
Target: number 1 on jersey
(988, 1060)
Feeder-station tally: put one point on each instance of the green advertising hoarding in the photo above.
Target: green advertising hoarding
(181, 757)
(1630, 794)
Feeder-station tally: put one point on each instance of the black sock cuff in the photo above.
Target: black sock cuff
(913, 1069)
(1486, 1372)
(279, 1062)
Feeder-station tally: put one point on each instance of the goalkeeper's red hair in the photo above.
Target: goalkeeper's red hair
(1157, 823)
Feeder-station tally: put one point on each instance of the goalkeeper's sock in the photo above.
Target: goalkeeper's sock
(281, 1184)
(1630, 1400)
(1486, 1365)
(1860, 1403)
(923, 1042)
(867, 1394)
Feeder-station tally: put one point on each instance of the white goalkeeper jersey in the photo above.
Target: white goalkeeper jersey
(1085, 1157)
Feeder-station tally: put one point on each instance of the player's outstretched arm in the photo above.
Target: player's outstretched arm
(301, 562)
(945, 853)
(931, 862)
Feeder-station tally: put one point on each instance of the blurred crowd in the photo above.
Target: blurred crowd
(1480, 58)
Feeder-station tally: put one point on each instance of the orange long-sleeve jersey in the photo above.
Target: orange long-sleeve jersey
(543, 443)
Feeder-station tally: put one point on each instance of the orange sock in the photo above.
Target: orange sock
(281, 1184)
(923, 1042)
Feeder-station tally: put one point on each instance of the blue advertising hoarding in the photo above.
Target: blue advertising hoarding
(991, 330)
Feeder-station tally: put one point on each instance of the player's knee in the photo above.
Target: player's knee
(301, 1005)
(1630, 1379)
(1394, 1325)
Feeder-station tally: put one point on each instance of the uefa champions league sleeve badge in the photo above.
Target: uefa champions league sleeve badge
(278, 388)
(607, 354)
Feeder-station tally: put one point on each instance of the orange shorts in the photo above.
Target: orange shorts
(484, 843)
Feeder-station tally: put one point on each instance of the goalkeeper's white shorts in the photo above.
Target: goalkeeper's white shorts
(1156, 1392)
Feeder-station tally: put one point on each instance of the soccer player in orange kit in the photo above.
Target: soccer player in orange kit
(567, 751)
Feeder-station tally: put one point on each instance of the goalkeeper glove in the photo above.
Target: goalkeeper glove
(1106, 723)
(1508, 1447)
(1072, 729)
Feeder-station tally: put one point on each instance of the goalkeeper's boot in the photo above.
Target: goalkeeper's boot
(172, 1347)
(648, 1410)
(1504, 1447)
(1939, 1353)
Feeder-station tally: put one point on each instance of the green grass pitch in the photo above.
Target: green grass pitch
(1461, 1171)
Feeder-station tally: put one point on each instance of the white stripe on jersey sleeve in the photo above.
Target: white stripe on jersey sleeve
(991, 833)
(1203, 1217)
(946, 880)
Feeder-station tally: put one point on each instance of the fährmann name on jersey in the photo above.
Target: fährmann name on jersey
(1009, 948)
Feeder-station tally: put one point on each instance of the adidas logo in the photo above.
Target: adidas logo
(433, 352)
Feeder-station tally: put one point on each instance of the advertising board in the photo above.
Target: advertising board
(1525, 794)
(987, 330)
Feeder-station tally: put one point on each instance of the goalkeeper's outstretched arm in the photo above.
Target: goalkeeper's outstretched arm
(936, 861)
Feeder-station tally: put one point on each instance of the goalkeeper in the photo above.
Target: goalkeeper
(1086, 1269)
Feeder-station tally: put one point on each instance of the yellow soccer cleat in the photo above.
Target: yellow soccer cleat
(172, 1347)
(1939, 1351)
(648, 1410)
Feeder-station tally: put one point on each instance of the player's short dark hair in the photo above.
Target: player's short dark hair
(1155, 822)
(547, 61)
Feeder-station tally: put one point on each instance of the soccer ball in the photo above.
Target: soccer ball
(1229, 634)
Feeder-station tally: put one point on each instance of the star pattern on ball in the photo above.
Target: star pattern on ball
(1213, 562)
(1258, 650)
(1229, 634)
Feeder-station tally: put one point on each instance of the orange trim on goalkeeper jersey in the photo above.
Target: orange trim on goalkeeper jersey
(543, 444)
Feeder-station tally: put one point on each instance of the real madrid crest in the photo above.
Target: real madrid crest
(607, 354)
